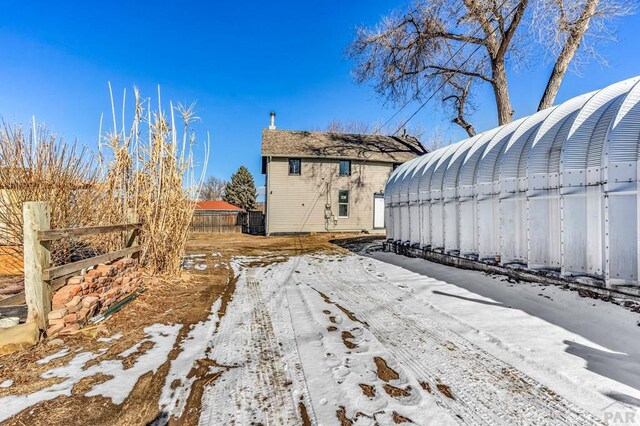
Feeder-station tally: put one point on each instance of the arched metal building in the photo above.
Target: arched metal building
(557, 190)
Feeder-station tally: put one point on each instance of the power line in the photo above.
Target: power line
(448, 78)
(446, 81)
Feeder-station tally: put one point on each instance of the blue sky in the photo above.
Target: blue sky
(238, 60)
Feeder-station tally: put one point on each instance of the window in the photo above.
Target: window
(345, 168)
(343, 203)
(294, 166)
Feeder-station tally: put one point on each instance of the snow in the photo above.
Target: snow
(47, 359)
(6, 384)
(563, 333)
(163, 337)
(196, 261)
(506, 359)
(312, 331)
(121, 380)
(116, 336)
(193, 347)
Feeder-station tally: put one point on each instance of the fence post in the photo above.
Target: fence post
(37, 258)
(133, 236)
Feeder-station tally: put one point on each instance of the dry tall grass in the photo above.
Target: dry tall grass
(147, 167)
(36, 166)
(150, 168)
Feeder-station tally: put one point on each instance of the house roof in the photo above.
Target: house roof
(216, 205)
(294, 143)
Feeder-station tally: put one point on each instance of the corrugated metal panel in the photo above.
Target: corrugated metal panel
(414, 178)
(590, 127)
(489, 166)
(519, 142)
(468, 170)
(513, 193)
(437, 179)
(452, 173)
(623, 143)
(549, 132)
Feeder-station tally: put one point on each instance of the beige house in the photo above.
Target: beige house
(329, 182)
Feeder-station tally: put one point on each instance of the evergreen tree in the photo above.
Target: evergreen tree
(241, 190)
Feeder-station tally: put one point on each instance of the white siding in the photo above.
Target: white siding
(298, 203)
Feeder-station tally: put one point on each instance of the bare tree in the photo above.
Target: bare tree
(566, 26)
(460, 98)
(213, 188)
(364, 128)
(458, 45)
(353, 126)
(436, 139)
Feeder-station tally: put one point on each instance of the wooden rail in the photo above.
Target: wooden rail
(57, 234)
(40, 279)
(59, 271)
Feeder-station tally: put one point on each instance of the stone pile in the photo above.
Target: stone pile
(87, 295)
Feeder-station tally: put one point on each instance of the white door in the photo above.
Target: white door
(378, 212)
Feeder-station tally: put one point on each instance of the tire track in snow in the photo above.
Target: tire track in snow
(257, 386)
(486, 390)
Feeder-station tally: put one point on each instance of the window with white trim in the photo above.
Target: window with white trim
(343, 203)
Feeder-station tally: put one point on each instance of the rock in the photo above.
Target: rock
(18, 337)
(54, 342)
(75, 280)
(70, 318)
(74, 289)
(55, 329)
(57, 314)
(62, 296)
(74, 309)
(73, 302)
(89, 301)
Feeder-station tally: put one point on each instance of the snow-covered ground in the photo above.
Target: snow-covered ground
(381, 339)
(313, 337)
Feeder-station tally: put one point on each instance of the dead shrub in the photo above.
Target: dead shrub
(37, 166)
(147, 167)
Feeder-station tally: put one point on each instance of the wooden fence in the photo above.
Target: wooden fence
(39, 275)
(216, 221)
(253, 223)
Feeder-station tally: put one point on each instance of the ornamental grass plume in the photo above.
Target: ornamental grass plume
(146, 168)
(151, 169)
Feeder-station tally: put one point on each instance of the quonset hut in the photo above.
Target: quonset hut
(556, 191)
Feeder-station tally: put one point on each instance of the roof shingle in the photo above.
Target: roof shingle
(388, 149)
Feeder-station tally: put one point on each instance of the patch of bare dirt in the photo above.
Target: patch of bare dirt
(444, 389)
(332, 328)
(304, 415)
(346, 339)
(342, 417)
(347, 312)
(368, 390)
(425, 386)
(397, 418)
(450, 345)
(396, 392)
(385, 372)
